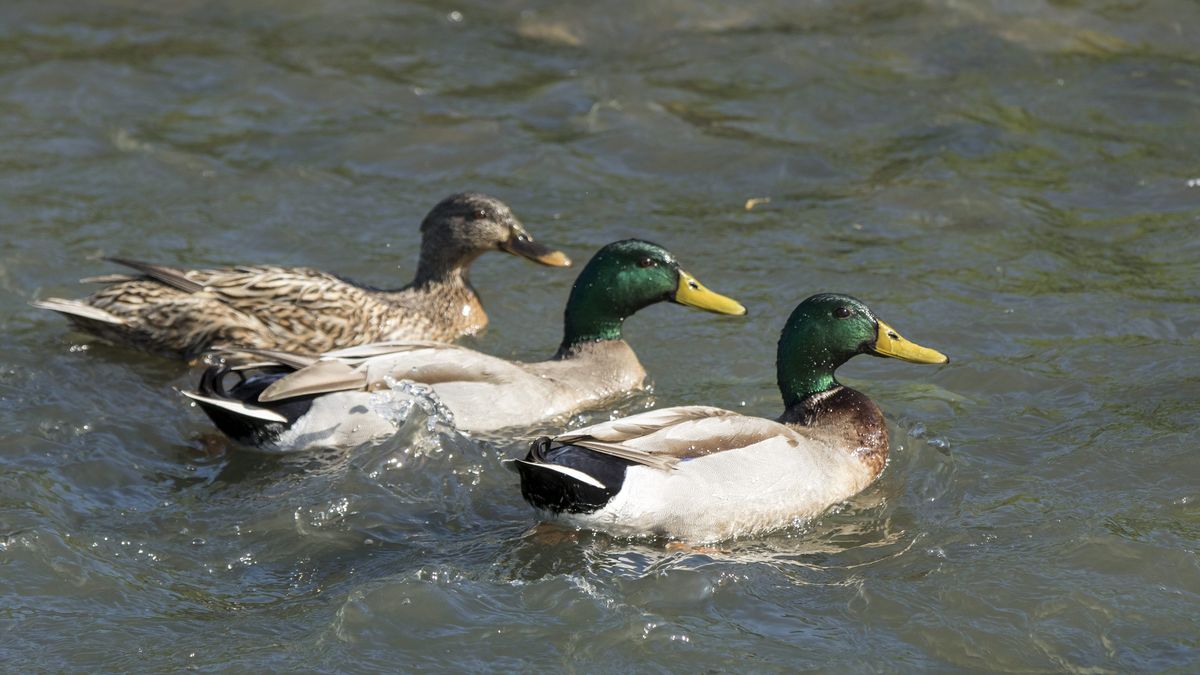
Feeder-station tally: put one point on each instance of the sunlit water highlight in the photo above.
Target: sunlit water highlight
(1014, 183)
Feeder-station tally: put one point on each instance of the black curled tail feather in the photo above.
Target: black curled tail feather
(552, 489)
(538, 449)
(246, 429)
(212, 382)
(247, 389)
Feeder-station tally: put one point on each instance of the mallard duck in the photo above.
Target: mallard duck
(303, 310)
(703, 474)
(327, 401)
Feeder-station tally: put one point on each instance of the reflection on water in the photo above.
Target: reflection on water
(1013, 183)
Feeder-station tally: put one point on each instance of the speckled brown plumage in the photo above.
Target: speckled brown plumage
(304, 310)
(845, 418)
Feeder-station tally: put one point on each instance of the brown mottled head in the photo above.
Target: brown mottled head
(463, 226)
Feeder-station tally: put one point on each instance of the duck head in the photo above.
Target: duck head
(464, 226)
(825, 331)
(626, 276)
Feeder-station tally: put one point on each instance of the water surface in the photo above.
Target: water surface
(1014, 183)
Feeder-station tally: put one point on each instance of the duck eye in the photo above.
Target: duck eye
(479, 214)
(842, 312)
(646, 262)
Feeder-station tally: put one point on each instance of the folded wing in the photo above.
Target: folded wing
(370, 366)
(664, 438)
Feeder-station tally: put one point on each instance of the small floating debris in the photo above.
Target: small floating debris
(755, 201)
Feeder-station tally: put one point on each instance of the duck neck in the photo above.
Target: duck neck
(452, 287)
(440, 269)
(804, 371)
(799, 385)
(592, 315)
(443, 291)
(807, 410)
(582, 326)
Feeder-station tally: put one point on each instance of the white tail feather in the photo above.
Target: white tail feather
(237, 407)
(575, 474)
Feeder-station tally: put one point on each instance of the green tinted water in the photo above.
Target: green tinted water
(1014, 183)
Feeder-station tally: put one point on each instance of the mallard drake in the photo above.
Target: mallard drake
(303, 310)
(326, 401)
(703, 474)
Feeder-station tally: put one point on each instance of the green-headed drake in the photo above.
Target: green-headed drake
(325, 402)
(303, 310)
(703, 474)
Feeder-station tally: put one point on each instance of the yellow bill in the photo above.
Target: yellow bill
(693, 294)
(890, 343)
(523, 245)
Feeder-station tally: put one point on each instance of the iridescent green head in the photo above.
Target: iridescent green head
(824, 332)
(626, 276)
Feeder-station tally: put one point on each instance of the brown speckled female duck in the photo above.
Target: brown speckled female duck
(304, 310)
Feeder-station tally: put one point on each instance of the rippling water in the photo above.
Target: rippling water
(1014, 183)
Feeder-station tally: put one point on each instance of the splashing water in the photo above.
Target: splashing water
(402, 398)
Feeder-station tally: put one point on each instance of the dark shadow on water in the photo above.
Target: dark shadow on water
(247, 467)
(854, 534)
